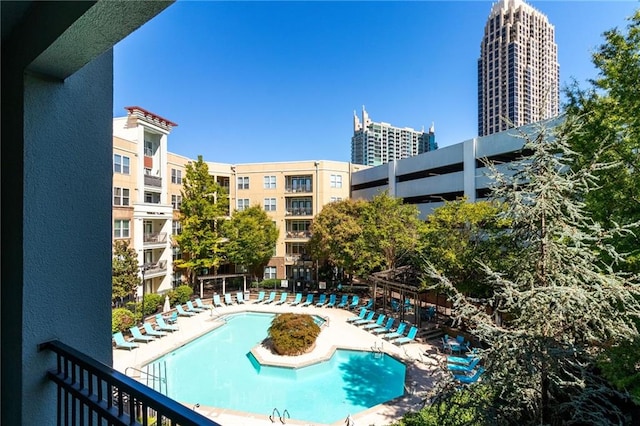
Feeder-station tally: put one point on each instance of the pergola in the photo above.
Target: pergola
(223, 277)
(400, 283)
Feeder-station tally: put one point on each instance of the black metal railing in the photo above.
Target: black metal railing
(152, 181)
(90, 392)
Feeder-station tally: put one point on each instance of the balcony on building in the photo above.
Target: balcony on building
(299, 184)
(301, 206)
(154, 238)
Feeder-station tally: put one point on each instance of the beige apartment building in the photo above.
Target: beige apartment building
(147, 185)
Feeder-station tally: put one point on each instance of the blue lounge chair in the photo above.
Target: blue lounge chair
(139, 337)
(376, 324)
(297, 300)
(309, 300)
(360, 316)
(173, 318)
(395, 305)
(395, 334)
(462, 360)
(463, 368)
(122, 343)
(332, 302)
(260, 298)
(148, 329)
(410, 337)
(408, 306)
(322, 301)
(283, 298)
(366, 320)
(240, 298)
(463, 378)
(369, 304)
(272, 297)
(191, 308)
(344, 301)
(202, 305)
(428, 314)
(216, 301)
(355, 301)
(385, 329)
(227, 299)
(182, 312)
(163, 325)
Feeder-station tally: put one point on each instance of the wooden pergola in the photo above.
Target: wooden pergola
(203, 278)
(400, 283)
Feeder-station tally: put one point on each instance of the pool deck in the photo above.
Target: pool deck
(422, 372)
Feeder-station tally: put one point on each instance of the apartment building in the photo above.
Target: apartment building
(292, 194)
(518, 71)
(375, 143)
(145, 188)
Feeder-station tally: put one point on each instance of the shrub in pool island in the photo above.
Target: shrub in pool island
(293, 334)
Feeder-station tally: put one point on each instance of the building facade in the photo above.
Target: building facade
(518, 71)
(374, 143)
(146, 185)
(292, 194)
(446, 174)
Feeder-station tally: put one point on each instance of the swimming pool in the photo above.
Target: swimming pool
(218, 370)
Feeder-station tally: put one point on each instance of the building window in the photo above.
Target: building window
(177, 279)
(243, 203)
(152, 198)
(334, 199)
(121, 164)
(269, 182)
(176, 201)
(148, 149)
(243, 182)
(120, 228)
(176, 227)
(177, 254)
(176, 176)
(270, 272)
(270, 204)
(120, 196)
(336, 181)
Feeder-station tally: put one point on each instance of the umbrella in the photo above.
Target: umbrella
(167, 305)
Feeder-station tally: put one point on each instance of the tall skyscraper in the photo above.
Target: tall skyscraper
(518, 71)
(373, 144)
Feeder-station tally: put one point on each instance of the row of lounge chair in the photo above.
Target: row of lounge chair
(465, 369)
(383, 327)
(324, 301)
(163, 325)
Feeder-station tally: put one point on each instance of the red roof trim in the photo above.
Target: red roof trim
(151, 115)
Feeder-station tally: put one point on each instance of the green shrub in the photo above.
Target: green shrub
(121, 320)
(270, 283)
(151, 303)
(293, 334)
(180, 295)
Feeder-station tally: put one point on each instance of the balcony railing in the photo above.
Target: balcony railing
(152, 181)
(156, 238)
(299, 212)
(298, 234)
(151, 268)
(90, 392)
(298, 189)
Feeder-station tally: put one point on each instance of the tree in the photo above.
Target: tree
(204, 206)
(609, 112)
(124, 271)
(458, 235)
(335, 232)
(562, 306)
(390, 233)
(252, 238)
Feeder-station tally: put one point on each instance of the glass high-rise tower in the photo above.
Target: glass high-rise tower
(518, 71)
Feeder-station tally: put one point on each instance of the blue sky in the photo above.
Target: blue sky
(279, 81)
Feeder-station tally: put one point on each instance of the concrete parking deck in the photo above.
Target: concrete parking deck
(420, 377)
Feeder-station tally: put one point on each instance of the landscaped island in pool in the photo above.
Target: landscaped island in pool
(218, 370)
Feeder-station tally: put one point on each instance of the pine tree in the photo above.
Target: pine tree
(562, 306)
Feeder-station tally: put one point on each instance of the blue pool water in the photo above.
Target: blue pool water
(218, 370)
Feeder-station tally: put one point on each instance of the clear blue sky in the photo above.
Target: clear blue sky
(279, 81)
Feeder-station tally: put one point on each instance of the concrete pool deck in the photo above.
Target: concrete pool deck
(421, 372)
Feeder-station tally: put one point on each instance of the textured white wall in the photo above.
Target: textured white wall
(67, 232)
